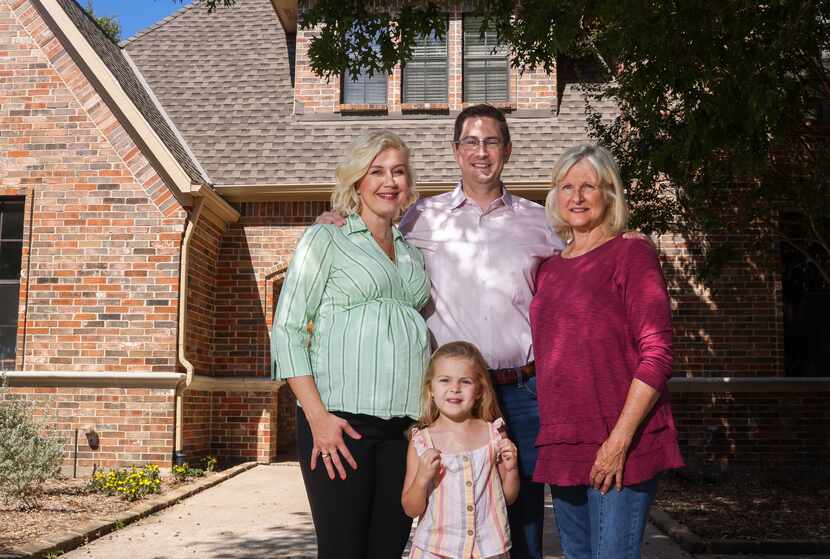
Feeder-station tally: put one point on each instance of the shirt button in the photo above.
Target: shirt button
(469, 532)
(466, 459)
(470, 507)
(469, 484)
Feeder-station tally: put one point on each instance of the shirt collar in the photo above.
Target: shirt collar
(458, 198)
(355, 224)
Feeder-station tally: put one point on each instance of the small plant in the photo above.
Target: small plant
(210, 463)
(132, 484)
(119, 524)
(54, 554)
(183, 472)
(30, 453)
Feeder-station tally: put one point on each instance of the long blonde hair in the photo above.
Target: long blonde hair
(610, 184)
(486, 406)
(355, 164)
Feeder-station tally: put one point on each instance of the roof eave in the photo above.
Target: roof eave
(310, 192)
(287, 12)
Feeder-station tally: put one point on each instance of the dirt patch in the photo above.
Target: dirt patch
(748, 509)
(65, 504)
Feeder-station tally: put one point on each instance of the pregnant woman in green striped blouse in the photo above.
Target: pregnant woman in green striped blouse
(358, 377)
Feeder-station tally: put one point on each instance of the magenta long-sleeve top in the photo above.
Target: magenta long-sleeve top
(599, 321)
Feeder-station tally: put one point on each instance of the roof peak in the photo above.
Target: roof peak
(160, 23)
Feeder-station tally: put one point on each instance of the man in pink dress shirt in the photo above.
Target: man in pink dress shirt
(482, 247)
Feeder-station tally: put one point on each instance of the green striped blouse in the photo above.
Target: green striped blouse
(369, 345)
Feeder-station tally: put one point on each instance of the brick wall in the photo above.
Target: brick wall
(101, 275)
(262, 240)
(731, 324)
(773, 431)
(312, 94)
(135, 425)
(244, 425)
(99, 281)
(201, 294)
(531, 90)
(196, 424)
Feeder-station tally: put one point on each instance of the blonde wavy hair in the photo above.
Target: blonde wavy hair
(610, 184)
(355, 164)
(486, 406)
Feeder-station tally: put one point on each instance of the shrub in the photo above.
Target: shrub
(210, 463)
(132, 483)
(183, 471)
(30, 453)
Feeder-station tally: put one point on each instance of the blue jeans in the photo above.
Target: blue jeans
(595, 526)
(521, 412)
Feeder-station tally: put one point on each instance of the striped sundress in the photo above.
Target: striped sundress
(466, 516)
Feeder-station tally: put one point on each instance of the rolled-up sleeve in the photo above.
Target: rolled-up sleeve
(300, 298)
(648, 312)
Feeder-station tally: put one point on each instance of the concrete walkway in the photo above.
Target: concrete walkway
(261, 513)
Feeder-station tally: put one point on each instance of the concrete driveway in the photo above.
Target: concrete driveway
(261, 513)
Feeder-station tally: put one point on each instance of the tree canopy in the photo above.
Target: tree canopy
(724, 107)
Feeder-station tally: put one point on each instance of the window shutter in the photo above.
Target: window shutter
(486, 71)
(366, 90)
(425, 75)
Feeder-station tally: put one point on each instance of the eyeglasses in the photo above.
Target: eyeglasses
(471, 144)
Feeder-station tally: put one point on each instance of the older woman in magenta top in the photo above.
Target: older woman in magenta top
(601, 322)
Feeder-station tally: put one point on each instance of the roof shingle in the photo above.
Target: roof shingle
(224, 79)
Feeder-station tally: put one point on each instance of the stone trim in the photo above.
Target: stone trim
(93, 379)
(681, 385)
(363, 108)
(292, 192)
(205, 383)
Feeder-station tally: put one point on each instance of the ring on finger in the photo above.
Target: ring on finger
(324, 454)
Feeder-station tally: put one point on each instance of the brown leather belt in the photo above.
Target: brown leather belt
(511, 375)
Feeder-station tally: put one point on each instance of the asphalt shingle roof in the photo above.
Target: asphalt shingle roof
(132, 84)
(224, 79)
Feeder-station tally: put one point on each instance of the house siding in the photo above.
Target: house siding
(102, 231)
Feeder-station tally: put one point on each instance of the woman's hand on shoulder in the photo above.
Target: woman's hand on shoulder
(330, 217)
(327, 432)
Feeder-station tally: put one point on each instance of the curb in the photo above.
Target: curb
(693, 543)
(94, 529)
(680, 533)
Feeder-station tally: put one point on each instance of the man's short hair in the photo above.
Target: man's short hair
(481, 111)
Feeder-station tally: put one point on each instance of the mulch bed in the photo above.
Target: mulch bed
(65, 503)
(748, 508)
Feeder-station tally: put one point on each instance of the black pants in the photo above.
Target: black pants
(360, 517)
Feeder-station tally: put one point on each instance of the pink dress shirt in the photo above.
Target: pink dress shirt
(599, 321)
(482, 265)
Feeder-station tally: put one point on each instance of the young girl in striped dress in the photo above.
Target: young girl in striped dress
(461, 472)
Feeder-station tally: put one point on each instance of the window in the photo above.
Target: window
(486, 70)
(806, 297)
(425, 75)
(11, 251)
(366, 90)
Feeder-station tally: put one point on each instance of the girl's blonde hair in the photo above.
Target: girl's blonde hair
(355, 164)
(610, 184)
(486, 406)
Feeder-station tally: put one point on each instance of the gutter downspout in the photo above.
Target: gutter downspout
(181, 387)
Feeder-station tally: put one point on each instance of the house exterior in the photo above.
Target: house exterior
(151, 195)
